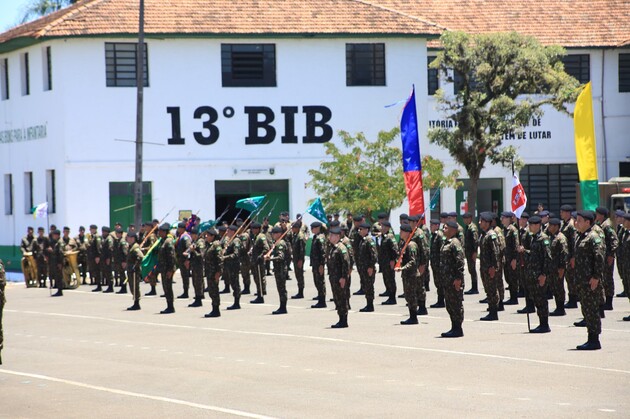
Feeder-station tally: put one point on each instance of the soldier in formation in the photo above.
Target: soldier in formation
(366, 264)
(213, 269)
(612, 243)
(451, 265)
(260, 246)
(278, 256)
(490, 259)
(196, 252)
(559, 262)
(408, 269)
(471, 240)
(132, 265)
(338, 262)
(318, 260)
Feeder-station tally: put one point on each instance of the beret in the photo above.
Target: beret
(118, 230)
(555, 222)
(222, 228)
(335, 223)
(298, 224)
(284, 213)
(316, 224)
(386, 224)
(239, 223)
(525, 214)
(40, 228)
(507, 214)
(65, 228)
(466, 215)
(364, 225)
(405, 227)
(602, 210)
(452, 214)
(233, 227)
(452, 224)
(255, 225)
(620, 213)
(413, 218)
(56, 231)
(335, 230)
(357, 218)
(443, 214)
(587, 215)
(181, 224)
(543, 213)
(212, 231)
(535, 220)
(165, 227)
(382, 215)
(626, 216)
(566, 207)
(194, 230)
(336, 214)
(276, 230)
(435, 221)
(105, 229)
(81, 228)
(93, 226)
(404, 216)
(573, 214)
(132, 234)
(486, 216)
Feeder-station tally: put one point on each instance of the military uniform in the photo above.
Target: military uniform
(107, 252)
(298, 250)
(423, 256)
(82, 243)
(559, 263)
(244, 264)
(182, 244)
(66, 244)
(346, 242)
(338, 263)
(490, 258)
(145, 245)
(451, 265)
(260, 246)
(568, 230)
(538, 262)
(231, 268)
(167, 267)
(278, 257)
(500, 284)
(511, 257)
(41, 258)
(121, 250)
(26, 246)
(94, 252)
(471, 241)
(318, 260)
(411, 280)
(213, 269)
(134, 275)
(3, 300)
(437, 241)
(388, 253)
(197, 252)
(55, 259)
(612, 242)
(623, 259)
(366, 260)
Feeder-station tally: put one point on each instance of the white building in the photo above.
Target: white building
(240, 96)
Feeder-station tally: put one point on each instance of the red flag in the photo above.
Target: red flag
(519, 199)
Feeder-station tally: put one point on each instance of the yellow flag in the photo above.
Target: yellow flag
(585, 149)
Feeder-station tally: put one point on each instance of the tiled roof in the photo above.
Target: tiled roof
(225, 17)
(570, 23)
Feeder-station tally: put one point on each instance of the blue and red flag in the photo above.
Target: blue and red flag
(412, 163)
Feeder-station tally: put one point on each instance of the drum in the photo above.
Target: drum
(29, 269)
(70, 271)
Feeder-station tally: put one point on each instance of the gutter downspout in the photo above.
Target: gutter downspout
(601, 102)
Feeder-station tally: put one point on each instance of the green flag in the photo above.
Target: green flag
(316, 209)
(206, 225)
(150, 260)
(251, 203)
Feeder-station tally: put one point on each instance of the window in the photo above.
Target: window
(28, 192)
(432, 77)
(47, 69)
(578, 66)
(26, 82)
(121, 63)
(624, 72)
(248, 65)
(50, 191)
(8, 194)
(365, 64)
(552, 185)
(4, 79)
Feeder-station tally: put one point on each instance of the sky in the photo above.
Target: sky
(11, 12)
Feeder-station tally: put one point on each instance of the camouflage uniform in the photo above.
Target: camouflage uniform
(213, 266)
(423, 255)
(426, 235)
(318, 258)
(182, 244)
(452, 263)
(559, 261)
(231, 268)
(94, 250)
(121, 249)
(107, 251)
(39, 251)
(246, 244)
(366, 259)
(511, 275)
(387, 253)
(569, 231)
(82, 243)
(3, 300)
(298, 250)
(410, 276)
(55, 260)
(355, 241)
(471, 240)
(589, 263)
(612, 242)
(489, 255)
(167, 267)
(196, 265)
(500, 284)
(338, 263)
(260, 247)
(346, 242)
(134, 274)
(149, 241)
(538, 262)
(278, 257)
(622, 234)
(437, 241)
(623, 260)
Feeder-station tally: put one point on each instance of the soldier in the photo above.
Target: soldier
(3, 284)
(624, 256)
(107, 252)
(559, 261)
(426, 235)
(298, 251)
(278, 257)
(452, 263)
(437, 241)
(213, 268)
(349, 220)
(94, 251)
(409, 272)
(26, 246)
(366, 263)
(182, 244)
(121, 250)
(612, 242)
(403, 219)
(423, 256)
(132, 264)
(41, 257)
(471, 239)
(167, 266)
(489, 255)
(55, 262)
(82, 242)
(495, 225)
(544, 216)
(512, 240)
(231, 268)
(567, 228)
(345, 240)
(246, 245)
(387, 255)
(147, 242)
(197, 252)
(355, 239)
(260, 246)
(621, 232)
(338, 262)
(318, 260)
(589, 257)
(266, 230)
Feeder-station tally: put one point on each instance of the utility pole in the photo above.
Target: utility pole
(139, 119)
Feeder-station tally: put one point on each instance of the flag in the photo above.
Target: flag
(519, 199)
(434, 200)
(150, 260)
(412, 165)
(316, 209)
(585, 151)
(206, 225)
(251, 203)
(40, 211)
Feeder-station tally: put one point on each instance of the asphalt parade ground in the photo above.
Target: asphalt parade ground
(83, 355)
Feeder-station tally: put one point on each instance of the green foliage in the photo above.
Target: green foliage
(38, 8)
(506, 78)
(366, 176)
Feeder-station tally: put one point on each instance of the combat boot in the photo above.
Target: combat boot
(608, 304)
(581, 323)
(360, 292)
(559, 311)
(492, 316)
(513, 299)
(455, 332)
(225, 290)
(246, 291)
(236, 305)
(59, 293)
(473, 289)
(109, 289)
(134, 307)
(214, 313)
(484, 301)
(321, 303)
(591, 345)
(626, 319)
(299, 295)
(98, 288)
(602, 313)
(384, 294)
(196, 303)
(572, 303)
(184, 295)
(390, 301)
(501, 307)
(169, 309)
(422, 309)
(282, 309)
(622, 294)
(369, 307)
(439, 303)
(543, 327)
(152, 292)
(413, 317)
(342, 323)
(123, 289)
(257, 300)
(529, 307)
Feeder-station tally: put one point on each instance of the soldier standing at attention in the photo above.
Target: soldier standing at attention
(26, 246)
(55, 262)
(213, 268)
(437, 241)
(132, 264)
(510, 232)
(495, 225)
(621, 232)
(624, 256)
(355, 239)
(568, 229)
(366, 262)
(338, 262)
(489, 255)
(423, 256)
(246, 245)
(95, 249)
(298, 251)
(3, 300)
(387, 260)
(612, 242)
(41, 258)
(231, 268)
(318, 260)
(345, 240)
(167, 266)
(182, 244)
(121, 250)
(82, 243)
(278, 257)
(107, 251)
(197, 252)
(559, 261)
(452, 271)
(223, 238)
(149, 240)
(471, 240)
(260, 246)
(409, 272)
(589, 272)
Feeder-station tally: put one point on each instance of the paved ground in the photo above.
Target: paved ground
(84, 356)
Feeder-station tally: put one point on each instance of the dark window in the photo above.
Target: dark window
(8, 194)
(28, 192)
(248, 65)
(624, 72)
(624, 169)
(578, 66)
(121, 64)
(365, 64)
(26, 77)
(51, 191)
(432, 77)
(47, 69)
(4, 79)
(458, 82)
(552, 185)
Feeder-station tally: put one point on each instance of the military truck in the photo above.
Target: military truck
(614, 194)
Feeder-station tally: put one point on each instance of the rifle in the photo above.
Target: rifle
(243, 226)
(272, 208)
(281, 237)
(154, 227)
(402, 251)
(222, 214)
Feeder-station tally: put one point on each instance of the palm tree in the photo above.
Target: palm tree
(39, 8)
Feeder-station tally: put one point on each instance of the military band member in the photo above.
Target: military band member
(41, 257)
(338, 262)
(437, 241)
(452, 276)
(568, 229)
(55, 262)
(318, 260)
(82, 243)
(26, 246)
(94, 252)
(182, 244)
(387, 255)
(278, 257)
(132, 264)
(298, 253)
(510, 232)
(119, 257)
(471, 241)
(490, 260)
(559, 262)
(366, 264)
(197, 252)
(612, 242)
(213, 269)
(107, 252)
(167, 266)
(409, 272)
(231, 268)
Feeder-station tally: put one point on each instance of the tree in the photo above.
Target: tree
(366, 176)
(38, 8)
(504, 81)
